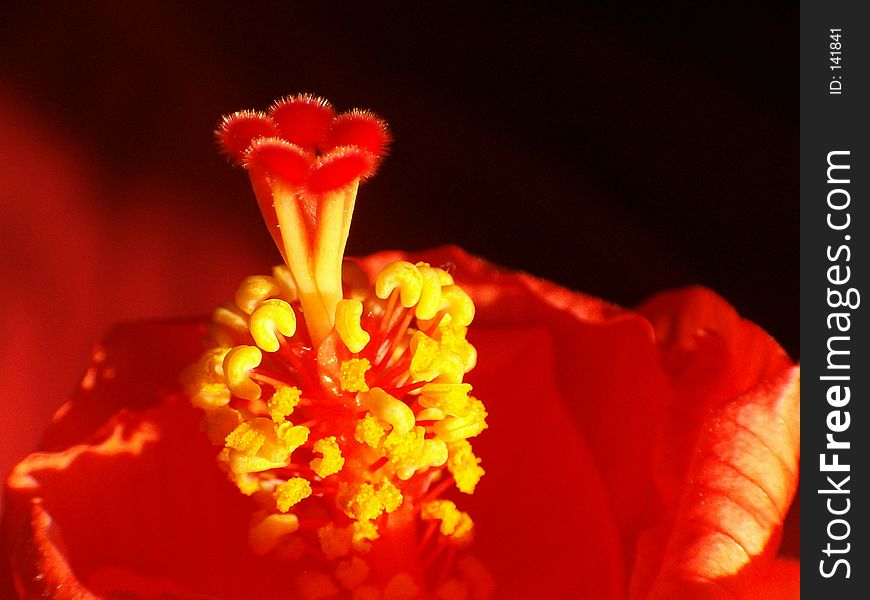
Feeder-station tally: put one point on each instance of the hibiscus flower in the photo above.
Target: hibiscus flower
(629, 454)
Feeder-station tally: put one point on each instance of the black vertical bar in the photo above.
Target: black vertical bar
(835, 362)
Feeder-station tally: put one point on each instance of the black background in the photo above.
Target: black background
(618, 151)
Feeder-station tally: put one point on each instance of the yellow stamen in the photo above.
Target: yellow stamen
(430, 296)
(411, 452)
(270, 318)
(454, 429)
(458, 305)
(332, 461)
(464, 466)
(389, 409)
(238, 364)
(365, 502)
(291, 492)
(254, 290)
(352, 375)
(402, 275)
(369, 431)
(454, 523)
(292, 436)
(282, 403)
(347, 323)
(452, 398)
(363, 533)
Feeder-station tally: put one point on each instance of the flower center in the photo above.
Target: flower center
(340, 407)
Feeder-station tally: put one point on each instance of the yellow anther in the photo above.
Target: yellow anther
(445, 359)
(292, 436)
(425, 357)
(259, 445)
(365, 502)
(335, 541)
(253, 290)
(452, 398)
(291, 492)
(433, 454)
(270, 318)
(453, 340)
(454, 523)
(347, 323)
(389, 496)
(401, 587)
(352, 375)
(281, 274)
(247, 438)
(411, 452)
(204, 381)
(404, 449)
(282, 403)
(352, 573)
(362, 534)
(389, 409)
(238, 364)
(430, 296)
(464, 466)
(265, 535)
(312, 585)
(430, 414)
(332, 461)
(369, 431)
(359, 501)
(454, 429)
(458, 305)
(402, 275)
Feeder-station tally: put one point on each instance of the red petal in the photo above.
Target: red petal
(142, 507)
(713, 356)
(238, 130)
(740, 483)
(359, 128)
(131, 368)
(339, 168)
(726, 460)
(302, 120)
(544, 524)
(279, 159)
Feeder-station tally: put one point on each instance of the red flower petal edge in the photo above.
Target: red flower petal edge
(588, 402)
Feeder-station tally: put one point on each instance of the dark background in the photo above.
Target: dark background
(617, 151)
